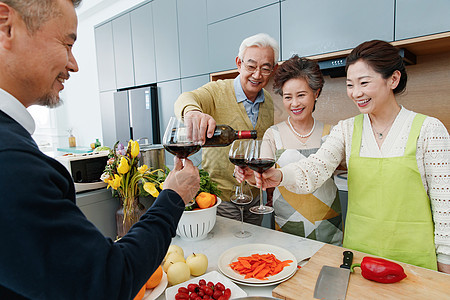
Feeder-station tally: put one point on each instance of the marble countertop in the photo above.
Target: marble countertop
(221, 238)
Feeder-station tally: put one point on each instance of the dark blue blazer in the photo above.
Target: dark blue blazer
(49, 250)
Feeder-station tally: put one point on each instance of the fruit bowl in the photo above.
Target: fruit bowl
(194, 225)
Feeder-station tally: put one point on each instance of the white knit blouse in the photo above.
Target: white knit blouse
(433, 161)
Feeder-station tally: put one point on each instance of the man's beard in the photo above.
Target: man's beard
(50, 100)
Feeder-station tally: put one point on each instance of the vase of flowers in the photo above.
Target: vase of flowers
(128, 181)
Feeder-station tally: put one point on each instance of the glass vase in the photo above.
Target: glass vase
(134, 211)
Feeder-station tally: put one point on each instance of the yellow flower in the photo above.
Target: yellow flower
(114, 183)
(134, 148)
(143, 169)
(123, 166)
(161, 186)
(151, 189)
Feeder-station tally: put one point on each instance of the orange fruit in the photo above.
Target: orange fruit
(140, 294)
(205, 200)
(155, 279)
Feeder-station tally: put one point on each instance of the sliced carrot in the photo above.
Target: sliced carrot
(259, 266)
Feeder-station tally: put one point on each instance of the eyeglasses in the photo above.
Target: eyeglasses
(263, 70)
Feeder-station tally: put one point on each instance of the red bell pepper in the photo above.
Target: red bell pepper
(380, 270)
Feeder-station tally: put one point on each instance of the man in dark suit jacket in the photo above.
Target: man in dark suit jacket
(49, 250)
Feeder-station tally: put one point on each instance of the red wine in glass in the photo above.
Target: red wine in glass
(238, 160)
(178, 141)
(260, 164)
(182, 150)
(260, 157)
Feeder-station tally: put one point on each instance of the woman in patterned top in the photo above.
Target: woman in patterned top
(317, 215)
(397, 161)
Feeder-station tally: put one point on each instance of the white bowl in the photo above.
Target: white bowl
(194, 225)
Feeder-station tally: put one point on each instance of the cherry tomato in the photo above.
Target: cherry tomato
(193, 295)
(223, 297)
(192, 287)
(183, 290)
(227, 292)
(209, 291)
(199, 298)
(206, 297)
(217, 294)
(201, 293)
(181, 296)
(219, 286)
(210, 284)
(202, 282)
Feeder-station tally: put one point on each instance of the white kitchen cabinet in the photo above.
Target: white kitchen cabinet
(123, 51)
(219, 10)
(143, 42)
(225, 37)
(316, 27)
(193, 37)
(415, 18)
(105, 57)
(166, 40)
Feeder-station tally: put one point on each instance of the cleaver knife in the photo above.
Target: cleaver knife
(332, 281)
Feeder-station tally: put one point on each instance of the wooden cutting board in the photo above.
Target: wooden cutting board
(420, 283)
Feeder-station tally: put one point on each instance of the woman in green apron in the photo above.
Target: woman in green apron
(317, 215)
(398, 166)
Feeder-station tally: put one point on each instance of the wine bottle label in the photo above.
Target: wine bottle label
(245, 134)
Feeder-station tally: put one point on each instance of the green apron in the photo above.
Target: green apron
(389, 211)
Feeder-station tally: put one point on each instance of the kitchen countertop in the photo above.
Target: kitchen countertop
(221, 238)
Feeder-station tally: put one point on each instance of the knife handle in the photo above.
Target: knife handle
(348, 259)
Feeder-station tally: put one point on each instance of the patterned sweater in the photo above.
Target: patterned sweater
(218, 100)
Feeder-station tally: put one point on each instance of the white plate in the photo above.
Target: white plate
(212, 276)
(157, 290)
(232, 255)
(262, 284)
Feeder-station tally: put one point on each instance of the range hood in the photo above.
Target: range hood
(336, 67)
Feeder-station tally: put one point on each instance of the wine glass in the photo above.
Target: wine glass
(259, 157)
(241, 197)
(237, 154)
(178, 138)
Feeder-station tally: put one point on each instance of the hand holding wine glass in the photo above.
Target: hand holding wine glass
(260, 157)
(270, 178)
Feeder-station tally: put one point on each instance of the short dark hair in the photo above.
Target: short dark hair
(383, 58)
(36, 12)
(298, 67)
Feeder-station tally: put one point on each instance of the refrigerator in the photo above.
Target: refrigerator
(131, 114)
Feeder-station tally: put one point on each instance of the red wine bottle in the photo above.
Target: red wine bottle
(224, 135)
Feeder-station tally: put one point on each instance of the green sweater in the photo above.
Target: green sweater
(218, 99)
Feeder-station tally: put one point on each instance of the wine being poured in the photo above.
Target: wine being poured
(177, 141)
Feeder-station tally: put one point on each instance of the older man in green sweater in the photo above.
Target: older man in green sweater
(241, 103)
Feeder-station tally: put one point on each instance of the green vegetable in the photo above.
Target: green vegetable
(207, 185)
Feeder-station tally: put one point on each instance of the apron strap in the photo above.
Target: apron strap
(414, 133)
(326, 129)
(357, 134)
